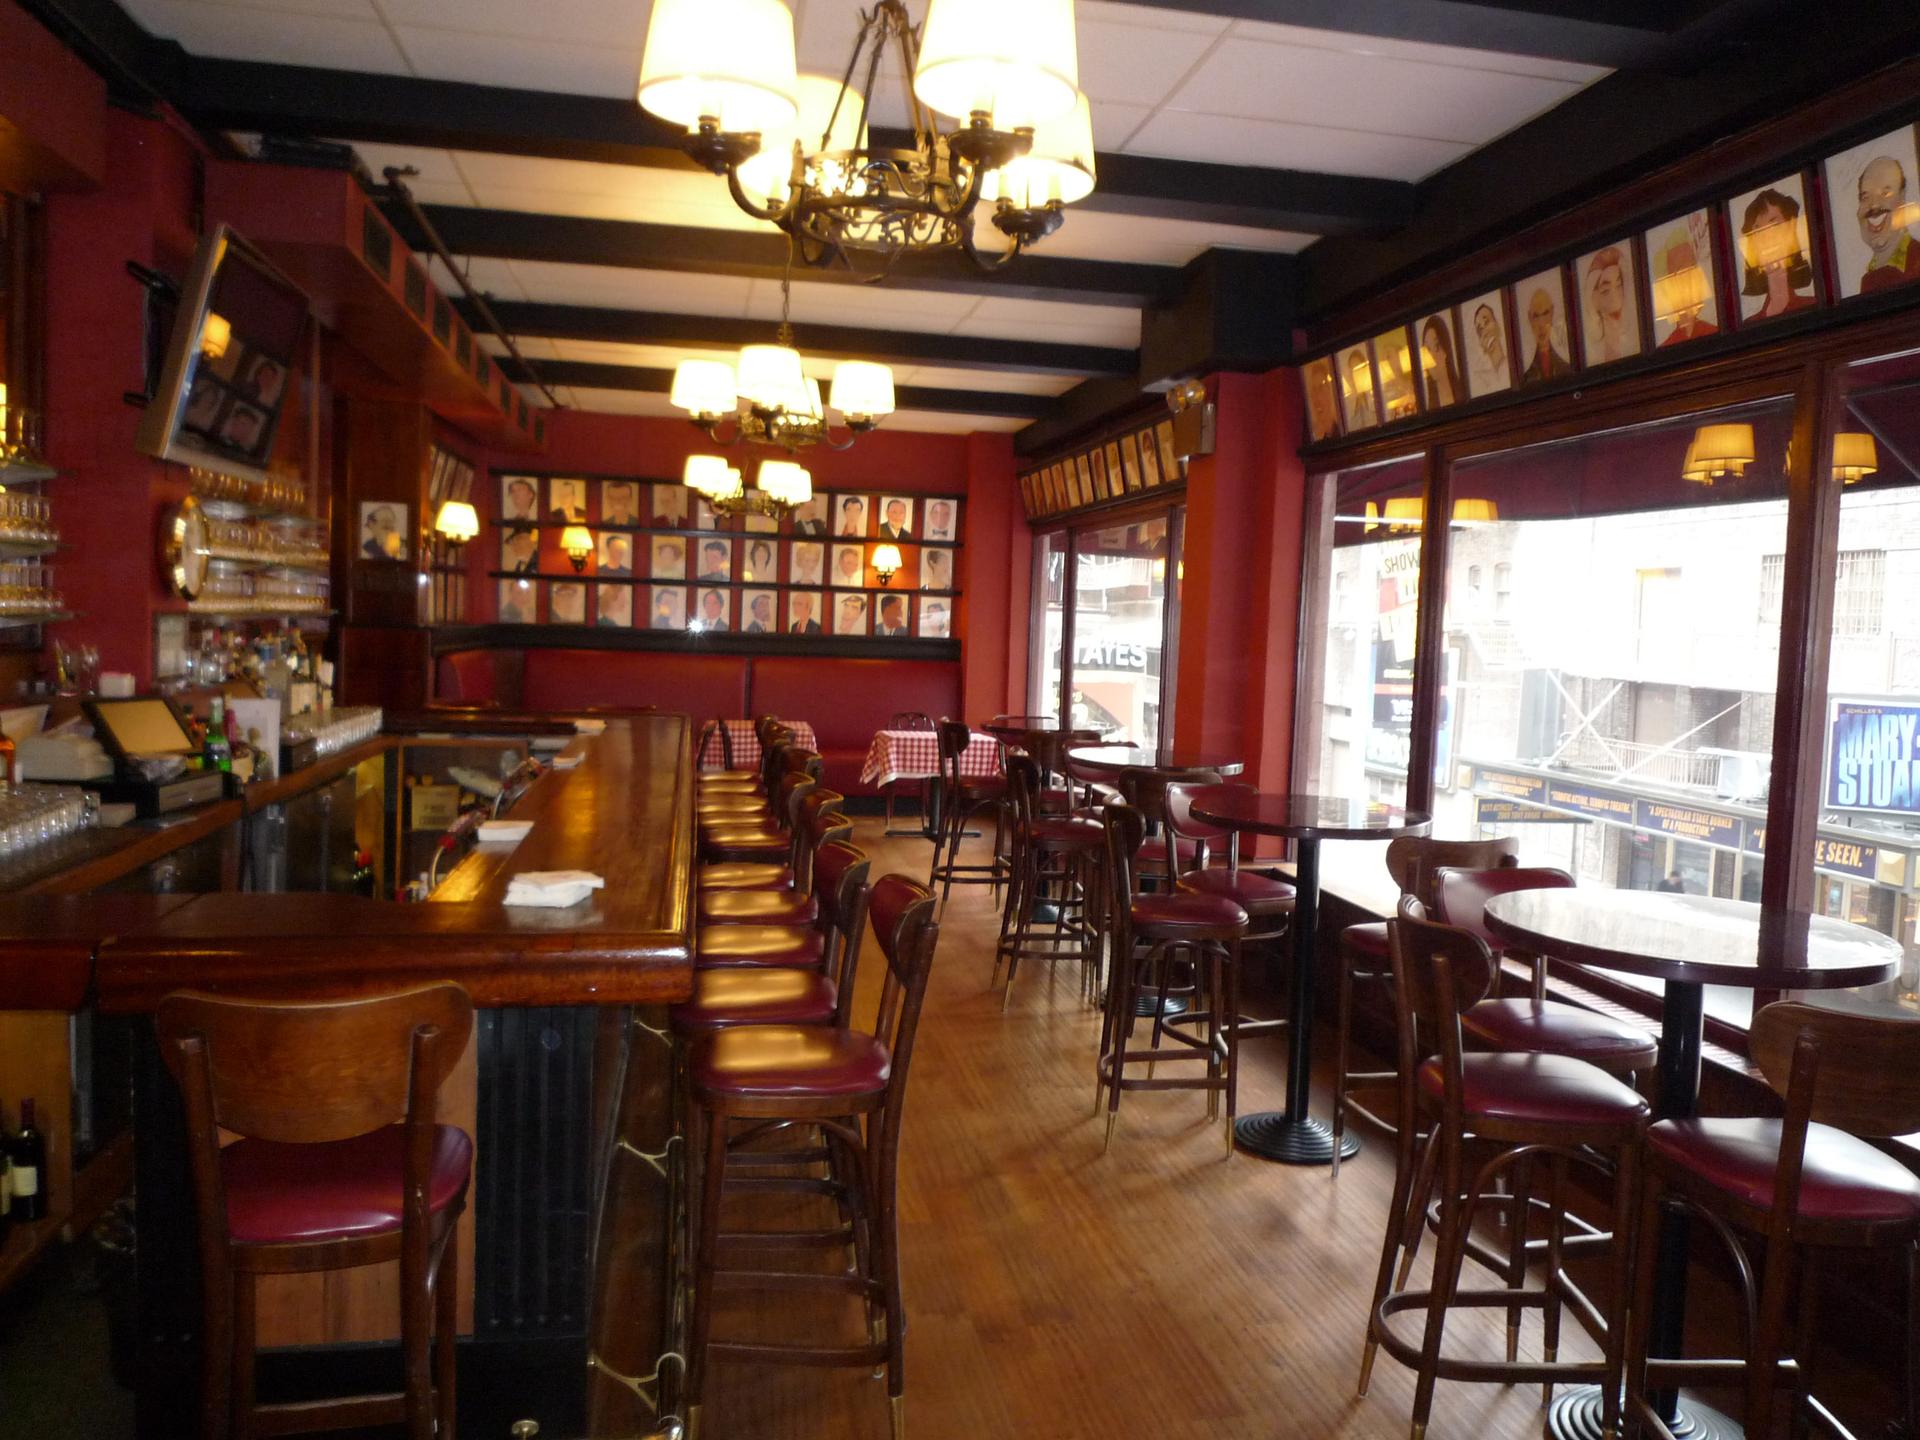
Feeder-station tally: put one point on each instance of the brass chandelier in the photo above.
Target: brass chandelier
(795, 150)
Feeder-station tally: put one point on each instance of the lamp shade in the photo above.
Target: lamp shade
(1854, 456)
(1682, 291)
(1405, 512)
(703, 387)
(706, 474)
(1058, 167)
(1469, 510)
(1014, 61)
(862, 388)
(576, 540)
(769, 376)
(457, 521)
(728, 61)
(829, 118)
(785, 481)
(216, 333)
(886, 562)
(1716, 451)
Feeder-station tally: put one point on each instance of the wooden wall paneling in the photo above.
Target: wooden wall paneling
(388, 449)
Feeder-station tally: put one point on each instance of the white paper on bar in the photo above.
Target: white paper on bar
(567, 762)
(504, 832)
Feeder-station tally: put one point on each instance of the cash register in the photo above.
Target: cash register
(153, 750)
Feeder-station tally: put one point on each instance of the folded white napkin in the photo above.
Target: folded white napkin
(567, 762)
(504, 832)
(552, 889)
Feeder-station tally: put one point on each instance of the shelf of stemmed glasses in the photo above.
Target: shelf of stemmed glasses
(38, 617)
(255, 607)
(25, 472)
(254, 561)
(23, 549)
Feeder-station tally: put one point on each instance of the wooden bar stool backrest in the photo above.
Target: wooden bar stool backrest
(1126, 831)
(910, 720)
(1438, 971)
(1856, 1072)
(710, 732)
(772, 759)
(1460, 898)
(901, 911)
(1182, 825)
(818, 817)
(1412, 859)
(794, 759)
(840, 873)
(790, 794)
(1023, 789)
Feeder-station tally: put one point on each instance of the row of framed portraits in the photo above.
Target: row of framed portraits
(724, 609)
(1823, 235)
(1111, 470)
(634, 504)
(727, 559)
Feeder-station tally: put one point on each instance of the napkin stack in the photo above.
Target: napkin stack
(552, 889)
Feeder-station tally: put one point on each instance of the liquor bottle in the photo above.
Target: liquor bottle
(363, 877)
(29, 1151)
(219, 751)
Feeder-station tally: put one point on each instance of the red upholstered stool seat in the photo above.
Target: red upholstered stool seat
(733, 946)
(1367, 946)
(1254, 893)
(745, 875)
(1536, 1090)
(781, 1061)
(1153, 853)
(757, 907)
(1064, 832)
(1844, 1178)
(1186, 917)
(746, 846)
(1554, 1028)
(343, 1189)
(755, 997)
(983, 790)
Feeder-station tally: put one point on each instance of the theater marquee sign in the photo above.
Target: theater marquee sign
(1873, 757)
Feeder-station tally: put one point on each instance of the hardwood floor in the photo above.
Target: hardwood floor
(1057, 1293)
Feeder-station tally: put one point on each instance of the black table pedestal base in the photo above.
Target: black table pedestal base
(1575, 1415)
(1143, 1005)
(1271, 1136)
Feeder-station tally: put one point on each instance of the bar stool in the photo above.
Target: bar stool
(789, 946)
(1803, 1182)
(1363, 958)
(818, 819)
(914, 720)
(1267, 901)
(728, 801)
(1054, 850)
(766, 840)
(850, 1085)
(340, 1163)
(1209, 928)
(767, 874)
(1525, 1107)
(730, 779)
(963, 799)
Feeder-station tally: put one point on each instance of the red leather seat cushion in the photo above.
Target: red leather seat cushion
(469, 677)
(1537, 1090)
(1554, 1028)
(755, 997)
(1844, 1177)
(341, 1189)
(980, 791)
(766, 847)
(1153, 852)
(1197, 917)
(708, 806)
(757, 907)
(789, 1060)
(734, 946)
(745, 875)
(1065, 833)
(1366, 946)
(1254, 893)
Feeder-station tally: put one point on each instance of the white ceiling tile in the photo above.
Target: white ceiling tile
(1000, 382)
(591, 22)
(533, 347)
(339, 40)
(1098, 235)
(1152, 16)
(606, 352)
(934, 422)
(625, 402)
(892, 307)
(554, 283)
(438, 172)
(1189, 135)
(1453, 55)
(145, 10)
(566, 66)
(1121, 332)
(1135, 64)
(1114, 122)
(488, 276)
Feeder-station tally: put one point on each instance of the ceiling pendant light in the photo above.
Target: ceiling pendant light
(795, 151)
(780, 486)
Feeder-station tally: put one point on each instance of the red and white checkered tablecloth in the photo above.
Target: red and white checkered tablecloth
(915, 755)
(746, 744)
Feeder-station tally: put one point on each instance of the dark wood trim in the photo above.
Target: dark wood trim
(1429, 646)
(1319, 502)
(447, 638)
(594, 375)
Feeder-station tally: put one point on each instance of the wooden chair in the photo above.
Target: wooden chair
(1049, 852)
(916, 720)
(817, 819)
(340, 1163)
(1845, 1069)
(962, 799)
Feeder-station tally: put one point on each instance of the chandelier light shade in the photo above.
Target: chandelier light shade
(724, 64)
(1471, 511)
(785, 482)
(1012, 63)
(770, 377)
(862, 390)
(707, 475)
(704, 387)
(1854, 456)
(1718, 451)
(1058, 170)
(457, 522)
(830, 121)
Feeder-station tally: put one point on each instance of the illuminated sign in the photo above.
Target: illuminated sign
(1872, 760)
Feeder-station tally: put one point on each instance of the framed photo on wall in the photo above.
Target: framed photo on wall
(1359, 409)
(891, 617)
(669, 507)
(1684, 278)
(1323, 398)
(850, 516)
(567, 502)
(1873, 214)
(567, 603)
(760, 612)
(1149, 459)
(713, 610)
(1609, 304)
(1130, 463)
(1171, 470)
(619, 502)
(1096, 463)
(896, 517)
(519, 499)
(849, 571)
(1773, 251)
(810, 518)
(383, 530)
(668, 558)
(715, 560)
(613, 607)
(1483, 340)
(804, 609)
(616, 553)
(518, 603)
(1437, 361)
(520, 551)
(761, 565)
(935, 619)
(936, 569)
(942, 518)
(1117, 477)
(1399, 390)
(850, 615)
(806, 562)
(1546, 347)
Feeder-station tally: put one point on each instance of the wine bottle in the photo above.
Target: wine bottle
(6, 1178)
(29, 1168)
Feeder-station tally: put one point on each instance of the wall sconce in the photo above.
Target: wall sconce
(1854, 456)
(457, 522)
(216, 333)
(1718, 451)
(1193, 416)
(886, 562)
(577, 541)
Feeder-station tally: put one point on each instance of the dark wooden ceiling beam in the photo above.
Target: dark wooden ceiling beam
(833, 342)
(591, 375)
(762, 255)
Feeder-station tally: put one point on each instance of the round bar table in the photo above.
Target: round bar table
(1688, 941)
(1293, 1136)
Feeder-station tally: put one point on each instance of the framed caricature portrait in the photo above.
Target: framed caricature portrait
(896, 517)
(615, 553)
(567, 502)
(761, 564)
(669, 558)
(1399, 389)
(1873, 214)
(1130, 463)
(757, 524)
(850, 515)
(1358, 409)
(1483, 340)
(810, 518)
(712, 610)
(806, 562)
(669, 507)
(891, 617)
(760, 612)
(1171, 470)
(1149, 459)
(619, 502)
(1323, 398)
(848, 570)
(1609, 304)
(1437, 357)
(1684, 279)
(936, 569)
(943, 517)
(613, 607)
(1117, 478)
(520, 551)
(804, 609)
(1546, 349)
(667, 608)
(517, 602)
(935, 621)
(1103, 484)
(1773, 251)
(850, 615)
(383, 530)
(567, 603)
(519, 499)
(715, 559)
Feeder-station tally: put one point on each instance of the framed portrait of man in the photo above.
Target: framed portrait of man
(1437, 356)
(567, 502)
(669, 507)
(1773, 251)
(1399, 391)
(1546, 349)
(1323, 398)
(935, 619)
(936, 568)
(715, 559)
(1609, 304)
(383, 530)
(517, 602)
(1873, 214)
(1684, 279)
(850, 516)
(896, 517)
(1130, 463)
(890, 617)
(669, 560)
(703, 516)
(849, 569)
(761, 566)
(760, 612)
(943, 515)
(806, 562)
(1149, 459)
(619, 502)
(1171, 470)
(567, 603)
(613, 607)
(667, 606)
(803, 612)
(810, 517)
(1117, 476)
(1359, 409)
(520, 551)
(519, 499)
(850, 615)
(616, 553)
(713, 611)
(1103, 484)
(1483, 339)
(245, 428)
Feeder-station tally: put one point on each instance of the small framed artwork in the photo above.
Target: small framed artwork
(935, 620)
(850, 615)
(1437, 352)
(613, 607)
(1050, 490)
(667, 608)
(810, 517)
(936, 569)
(1063, 482)
(1170, 466)
(383, 530)
(620, 502)
(716, 560)
(1399, 390)
(567, 603)
(669, 558)
(567, 502)
(1149, 459)
(896, 517)
(669, 507)
(760, 609)
(519, 499)
(520, 551)
(1103, 485)
(850, 516)
(1358, 409)
(890, 617)
(1130, 463)
(756, 524)
(1026, 492)
(806, 562)
(1609, 304)
(1545, 348)
(762, 565)
(849, 567)
(1117, 477)
(803, 612)
(712, 613)
(615, 553)
(703, 517)
(1773, 251)
(517, 602)
(1483, 338)
(1873, 214)
(1684, 279)
(1323, 398)
(942, 517)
